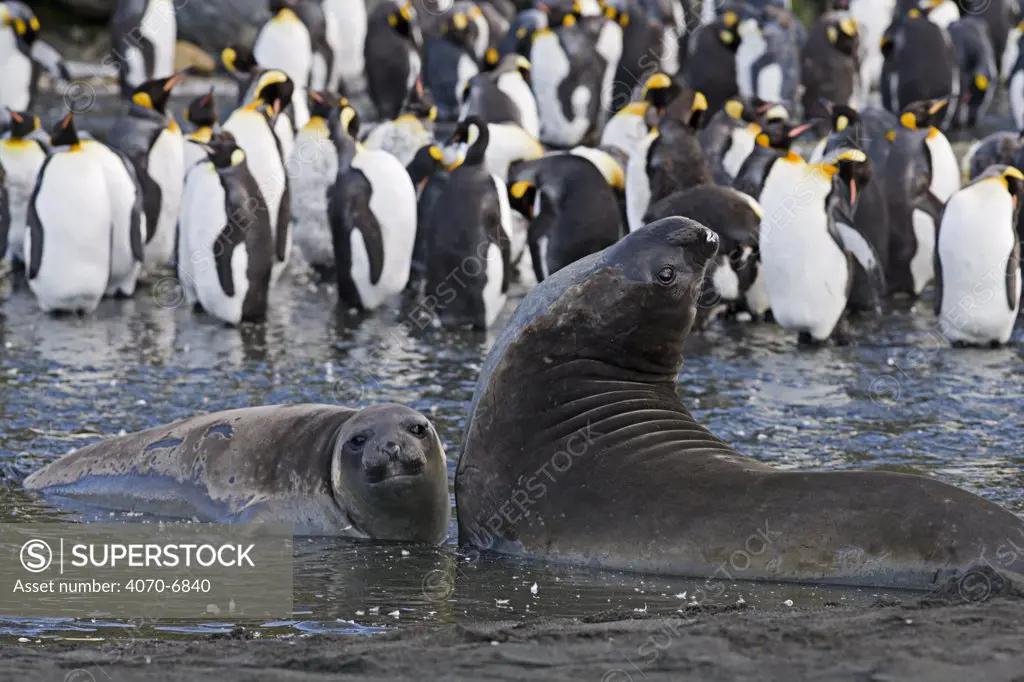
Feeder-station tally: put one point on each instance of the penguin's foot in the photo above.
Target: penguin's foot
(806, 340)
(841, 335)
(197, 308)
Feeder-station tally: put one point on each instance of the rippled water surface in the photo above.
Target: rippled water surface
(896, 399)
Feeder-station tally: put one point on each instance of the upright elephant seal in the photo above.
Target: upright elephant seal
(327, 470)
(594, 459)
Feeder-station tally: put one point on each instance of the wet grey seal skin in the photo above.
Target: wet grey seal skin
(595, 459)
(374, 473)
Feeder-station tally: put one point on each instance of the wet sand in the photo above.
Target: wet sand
(924, 639)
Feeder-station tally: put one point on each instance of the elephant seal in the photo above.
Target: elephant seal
(596, 460)
(377, 473)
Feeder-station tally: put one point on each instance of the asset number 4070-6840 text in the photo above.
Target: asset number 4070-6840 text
(159, 585)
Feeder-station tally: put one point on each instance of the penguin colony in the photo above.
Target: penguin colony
(507, 140)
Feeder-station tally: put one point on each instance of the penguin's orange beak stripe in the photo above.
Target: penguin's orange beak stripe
(173, 80)
(67, 119)
(17, 117)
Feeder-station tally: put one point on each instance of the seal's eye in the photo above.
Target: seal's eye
(666, 274)
(357, 441)
(418, 430)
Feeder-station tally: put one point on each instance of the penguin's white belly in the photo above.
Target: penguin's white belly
(973, 254)
(314, 168)
(350, 18)
(747, 54)
(415, 65)
(494, 299)
(542, 253)
(756, 297)
(1010, 54)
(254, 136)
(508, 143)
(945, 169)
(22, 161)
(805, 271)
(74, 212)
(922, 265)
(202, 222)
(517, 241)
(393, 204)
(551, 67)
(740, 147)
(638, 185)
(1016, 89)
(187, 257)
(769, 83)
(609, 46)
(285, 135)
(725, 280)
(124, 269)
(669, 50)
(160, 27)
(135, 66)
(285, 45)
(15, 90)
(624, 131)
(465, 70)
(519, 92)
(818, 153)
(401, 138)
(166, 166)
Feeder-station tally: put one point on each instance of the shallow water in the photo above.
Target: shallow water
(896, 399)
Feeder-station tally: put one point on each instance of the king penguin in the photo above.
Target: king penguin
(921, 64)
(225, 232)
(284, 43)
(372, 213)
(978, 276)
(979, 71)
(807, 266)
(67, 244)
(829, 66)
(503, 95)
(253, 128)
(921, 173)
(144, 34)
(567, 75)
(449, 63)
(470, 235)
(393, 61)
(23, 56)
(670, 158)
(202, 114)
(21, 156)
(153, 141)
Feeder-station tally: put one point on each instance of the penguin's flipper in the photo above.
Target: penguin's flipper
(938, 280)
(225, 247)
(932, 205)
(47, 56)
(1013, 275)
(864, 253)
(284, 220)
(5, 214)
(362, 218)
(151, 197)
(35, 231)
(135, 230)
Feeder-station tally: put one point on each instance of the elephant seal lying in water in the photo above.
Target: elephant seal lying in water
(377, 473)
(578, 449)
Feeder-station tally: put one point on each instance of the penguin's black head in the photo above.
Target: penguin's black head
(744, 109)
(850, 170)
(472, 132)
(842, 35)
(276, 6)
(238, 59)
(322, 104)
(202, 111)
(726, 26)
(275, 89)
(349, 120)
(523, 196)
(429, 159)
(64, 133)
(224, 151)
(460, 28)
(923, 114)
(619, 15)
(153, 94)
(22, 21)
(403, 20)
(844, 117)
(523, 66)
(660, 90)
(778, 131)
(23, 123)
(421, 102)
(688, 108)
(560, 12)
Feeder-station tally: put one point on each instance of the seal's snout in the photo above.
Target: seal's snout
(391, 458)
(698, 240)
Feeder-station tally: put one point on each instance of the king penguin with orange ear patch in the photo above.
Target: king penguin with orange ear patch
(372, 212)
(921, 173)
(807, 268)
(67, 244)
(21, 157)
(153, 141)
(978, 276)
(201, 113)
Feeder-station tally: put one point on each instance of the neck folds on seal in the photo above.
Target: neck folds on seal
(587, 365)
